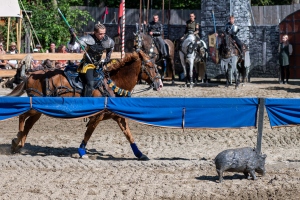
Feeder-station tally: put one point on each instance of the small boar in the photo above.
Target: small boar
(246, 160)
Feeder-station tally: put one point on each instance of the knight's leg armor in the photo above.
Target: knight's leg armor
(89, 87)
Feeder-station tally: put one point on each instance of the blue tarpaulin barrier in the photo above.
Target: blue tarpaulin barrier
(196, 112)
(68, 107)
(165, 112)
(283, 112)
(13, 106)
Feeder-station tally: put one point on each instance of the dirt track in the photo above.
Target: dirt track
(181, 165)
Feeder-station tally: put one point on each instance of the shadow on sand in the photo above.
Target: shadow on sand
(216, 178)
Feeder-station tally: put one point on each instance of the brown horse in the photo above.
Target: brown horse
(166, 67)
(123, 73)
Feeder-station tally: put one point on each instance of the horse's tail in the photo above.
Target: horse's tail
(18, 91)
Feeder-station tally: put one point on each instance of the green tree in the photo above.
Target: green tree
(48, 24)
(270, 2)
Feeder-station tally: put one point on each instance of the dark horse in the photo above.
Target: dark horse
(233, 61)
(146, 43)
(123, 73)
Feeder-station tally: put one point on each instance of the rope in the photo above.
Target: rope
(31, 25)
(123, 32)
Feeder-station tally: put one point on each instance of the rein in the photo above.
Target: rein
(127, 93)
(147, 72)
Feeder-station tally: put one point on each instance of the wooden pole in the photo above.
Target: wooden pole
(163, 12)
(141, 3)
(151, 9)
(147, 19)
(260, 123)
(163, 15)
(17, 36)
(169, 28)
(20, 32)
(8, 30)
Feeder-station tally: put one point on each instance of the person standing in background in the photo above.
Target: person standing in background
(52, 48)
(285, 49)
(12, 64)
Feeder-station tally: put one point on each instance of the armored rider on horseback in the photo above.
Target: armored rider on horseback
(232, 29)
(155, 29)
(192, 26)
(94, 44)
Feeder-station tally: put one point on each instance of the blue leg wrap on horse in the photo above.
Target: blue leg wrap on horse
(136, 150)
(81, 149)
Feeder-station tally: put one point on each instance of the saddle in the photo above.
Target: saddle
(155, 43)
(75, 80)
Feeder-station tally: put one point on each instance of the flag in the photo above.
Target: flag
(120, 16)
(104, 14)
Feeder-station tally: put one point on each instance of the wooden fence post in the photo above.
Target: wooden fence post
(260, 125)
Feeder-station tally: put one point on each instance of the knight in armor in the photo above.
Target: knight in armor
(155, 29)
(232, 29)
(94, 45)
(192, 26)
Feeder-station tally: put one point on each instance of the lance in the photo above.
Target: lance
(82, 47)
(214, 20)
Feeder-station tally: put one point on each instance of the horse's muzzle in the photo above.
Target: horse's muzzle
(157, 85)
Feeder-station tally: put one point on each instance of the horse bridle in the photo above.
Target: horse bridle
(144, 69)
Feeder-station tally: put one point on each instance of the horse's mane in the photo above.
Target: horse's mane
(119, 63)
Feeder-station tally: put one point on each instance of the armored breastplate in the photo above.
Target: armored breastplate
(95, 51)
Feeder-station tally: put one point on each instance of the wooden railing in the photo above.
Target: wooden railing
(43, 56)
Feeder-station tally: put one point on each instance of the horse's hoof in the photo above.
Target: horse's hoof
(15, 148)
(81, 152)
(143, 158)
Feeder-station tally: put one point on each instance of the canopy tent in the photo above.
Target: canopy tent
(10, 8)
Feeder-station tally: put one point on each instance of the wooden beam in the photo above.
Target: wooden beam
(53, 56)
(7, 73)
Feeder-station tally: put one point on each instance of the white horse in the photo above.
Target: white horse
(189, 56)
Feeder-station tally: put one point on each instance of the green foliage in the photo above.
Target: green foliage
(175, 4)
(156, 4)
(270, 2)
(48, 24)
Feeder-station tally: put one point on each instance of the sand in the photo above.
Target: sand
(181, 165)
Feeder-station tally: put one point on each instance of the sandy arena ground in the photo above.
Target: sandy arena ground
(181, 165)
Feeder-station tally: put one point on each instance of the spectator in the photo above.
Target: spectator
(12, 64)
(39, 48)
(285, 50)
(37, 64)
(52, 48)
(60, 64)
(2, 62)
